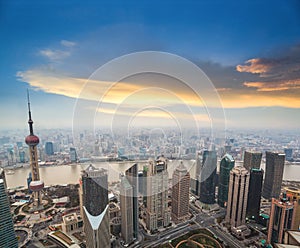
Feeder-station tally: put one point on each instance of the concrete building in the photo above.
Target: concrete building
(254, 195)
(282, 218)
(71, 222)
(237, 196)
(274, 173)
(95, 207)
(293, 195)
(7, 233)
(252, 159)
(226, 164)
(180, 193)
(158, 214)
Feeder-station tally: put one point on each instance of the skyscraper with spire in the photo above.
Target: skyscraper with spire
(36, 185)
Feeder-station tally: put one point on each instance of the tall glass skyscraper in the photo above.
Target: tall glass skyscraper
(7, 234)
(274, 174)
(208, 177)
(94, 201)
(254, 195)
(226, 164)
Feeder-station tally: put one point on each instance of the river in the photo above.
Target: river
(65, 174)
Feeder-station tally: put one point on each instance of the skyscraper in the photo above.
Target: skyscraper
(252, 160)
(293, 194)
(208, 177)
(237, 196)
(73, 154)
(49, 148)
(282, 218)
(158, 213)
(180, 193)
(226, 164)
(7, 233)
(95, 207)
(129, 204)
(2, 176)
(36, 185)
(274, 174)
(198, 171)
(254, 195)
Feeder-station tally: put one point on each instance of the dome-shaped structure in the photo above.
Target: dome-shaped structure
(36, 185)
(32, 140)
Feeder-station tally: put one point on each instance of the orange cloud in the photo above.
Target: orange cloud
(256, 66)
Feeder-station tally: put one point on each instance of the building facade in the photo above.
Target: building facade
(293, 194)
(95, 207)
(129, 204)
(180, 193)
(7, 233)
(274, 173)
(252, 160)
(207, 177)
(158, 214)
(254, 195)
(282, 218)
(49, 148)
(237, 196)
(226, 164)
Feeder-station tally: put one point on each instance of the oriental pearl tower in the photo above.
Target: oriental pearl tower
(36, 185)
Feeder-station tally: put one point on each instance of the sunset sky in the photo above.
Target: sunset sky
(250, 50)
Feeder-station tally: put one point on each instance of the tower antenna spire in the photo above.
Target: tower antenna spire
(30, 122)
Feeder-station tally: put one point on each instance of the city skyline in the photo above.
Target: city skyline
(251, 55)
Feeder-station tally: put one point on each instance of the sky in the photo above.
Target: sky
(249, 50)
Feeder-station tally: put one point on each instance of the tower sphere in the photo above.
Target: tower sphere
(32, 140)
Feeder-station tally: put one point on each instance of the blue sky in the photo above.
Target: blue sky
(47, 45)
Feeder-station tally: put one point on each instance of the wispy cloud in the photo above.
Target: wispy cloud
(67, 43)
(54, 55)
(257, 66)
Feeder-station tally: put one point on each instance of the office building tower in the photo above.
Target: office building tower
(288, 154)
(22, 156)
(252, 160)
(2, 176)
(95, 208)
(196, 190)
(180, 193)
(49, 148)
(7, 234)
(237, 196)
(208, 177)
(293, 194)
(73, 155)
(254, 195)
(158, 213)
(226, 164)
(36, 185)
(129, 204)
(274, 173)
(282, 218)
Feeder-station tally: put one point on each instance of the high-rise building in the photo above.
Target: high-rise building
(237, 196)
(208, 177)
(94, 201)
(274, 173)
(73, 155)
(282, 218)
(293, 194)
(7, 233)
(288, 154)
(252, 160)
(226, 164)
(129, 204)
(254, 195)
(49, 148)
(197, 175)
(36, 185)
(158, 213)
(180, 193)
(2, 176)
